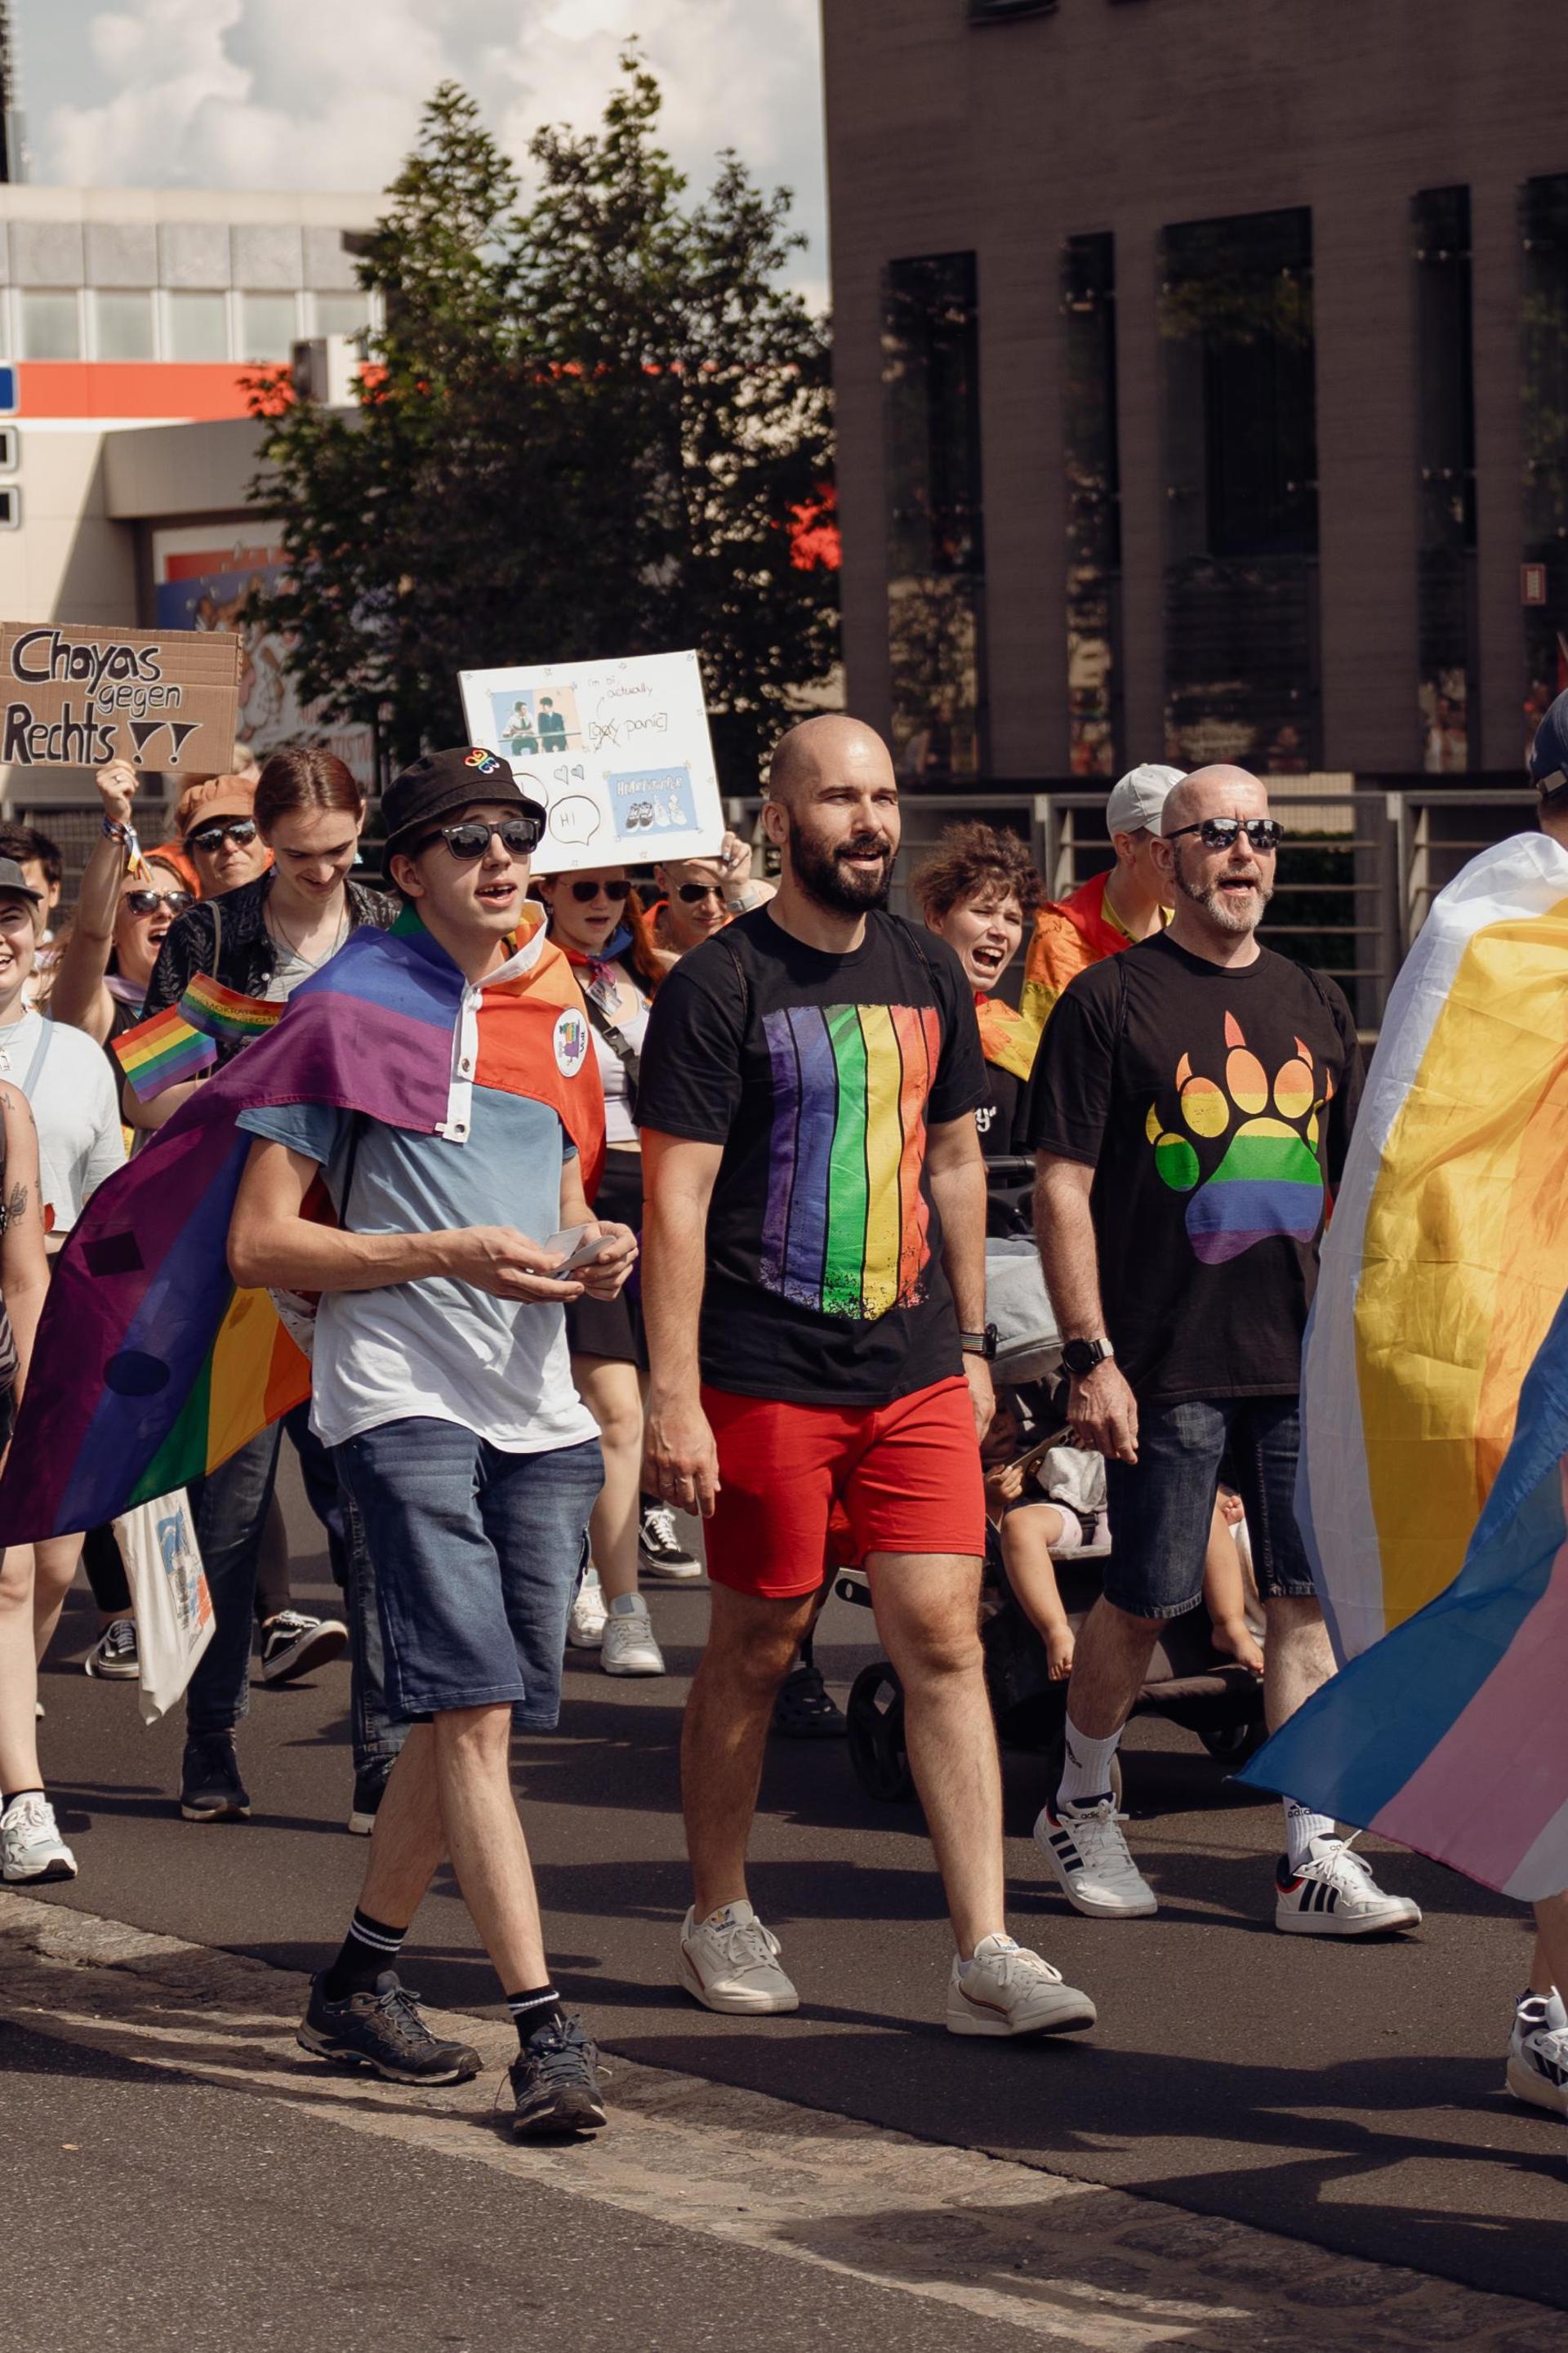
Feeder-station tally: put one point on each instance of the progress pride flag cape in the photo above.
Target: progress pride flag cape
(150, 1368)
(1436, 1383)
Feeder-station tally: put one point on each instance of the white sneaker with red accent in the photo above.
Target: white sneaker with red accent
(1008, 1989)
(730, 1962)
(1333, 1894)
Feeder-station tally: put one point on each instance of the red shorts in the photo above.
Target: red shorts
(907, 1476)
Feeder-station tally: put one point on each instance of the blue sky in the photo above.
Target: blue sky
(326, 93)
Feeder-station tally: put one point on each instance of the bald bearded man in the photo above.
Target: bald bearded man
(814, 1289)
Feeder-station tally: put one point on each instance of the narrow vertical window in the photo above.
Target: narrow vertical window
(1093, 507)
(1446, 459)
(1545, 404)
(1242, 673)
(936, 564)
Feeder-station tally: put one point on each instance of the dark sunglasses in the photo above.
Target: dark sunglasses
(691, 894)
(147, 902)
(585, 894)
(241, 831)
(472, 837)
(1265, 833)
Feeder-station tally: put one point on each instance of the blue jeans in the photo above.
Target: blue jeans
(477, 1553)
(1161, 1506)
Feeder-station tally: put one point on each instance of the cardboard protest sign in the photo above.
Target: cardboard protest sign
(618, 752)
(76, 698)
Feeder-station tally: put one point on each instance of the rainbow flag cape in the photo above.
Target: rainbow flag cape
(150, 1367)
(1069, 934)
(224, 1015)
(1008, 1038)
(1434, 1388)
(160, 1052)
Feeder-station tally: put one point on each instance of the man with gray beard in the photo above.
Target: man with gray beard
(1191, 1106)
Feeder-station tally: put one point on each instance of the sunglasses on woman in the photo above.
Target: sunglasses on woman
(585, 894)
(472, 837)
(210, 838)
(1265, 833)
(691, 895)
(147, 902)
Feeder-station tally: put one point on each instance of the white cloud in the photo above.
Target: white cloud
(326, 93)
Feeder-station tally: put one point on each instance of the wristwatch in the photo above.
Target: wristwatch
(979, 1344)
(1081, 1357)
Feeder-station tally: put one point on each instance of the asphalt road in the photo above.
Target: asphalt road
(1349, 2095)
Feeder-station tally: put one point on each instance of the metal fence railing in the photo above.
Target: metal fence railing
(1357, 871)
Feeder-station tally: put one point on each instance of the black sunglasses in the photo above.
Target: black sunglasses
(691, 893)
(1265, 833)
(147, 902)
(472, 837)
(585, 894)
(241, 831)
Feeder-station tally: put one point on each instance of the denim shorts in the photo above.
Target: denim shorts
(1160, 1507)
(476, 1554)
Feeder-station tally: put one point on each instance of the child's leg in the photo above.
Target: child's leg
(1028, 1535)
(1225, 1595)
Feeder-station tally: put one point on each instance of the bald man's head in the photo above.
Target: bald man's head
(829, 743)
(1219, 791)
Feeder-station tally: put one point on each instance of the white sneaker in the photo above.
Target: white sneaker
(1334, 1894)
(1008, 1989)
(31, 1846)
(1085, 1848)
(628, 1647)
(1537, 2055)
(589, 1611)
(729, 1963)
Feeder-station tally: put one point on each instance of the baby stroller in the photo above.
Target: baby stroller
(1190, 1682)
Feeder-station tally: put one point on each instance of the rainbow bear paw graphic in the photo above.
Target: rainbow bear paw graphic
(1268, 1181)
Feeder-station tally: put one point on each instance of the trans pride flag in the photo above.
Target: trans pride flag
(150, 1367)
(1436, 1403)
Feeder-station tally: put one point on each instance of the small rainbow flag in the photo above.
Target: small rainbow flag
(160, 1052)
(224, 1015)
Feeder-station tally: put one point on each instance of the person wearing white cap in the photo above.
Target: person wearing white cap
(1109, 911)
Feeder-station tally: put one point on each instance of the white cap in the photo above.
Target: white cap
(1138, 798)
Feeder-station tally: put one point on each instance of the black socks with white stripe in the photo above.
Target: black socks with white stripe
(531, 2011)
(369, 1948)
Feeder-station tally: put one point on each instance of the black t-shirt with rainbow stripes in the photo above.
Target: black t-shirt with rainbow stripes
(819, 1075)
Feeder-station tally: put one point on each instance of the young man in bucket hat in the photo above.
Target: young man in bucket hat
(440, 1378)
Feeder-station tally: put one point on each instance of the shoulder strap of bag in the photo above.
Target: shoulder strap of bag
(733, 953)
(40, 1054)
(620, 1046)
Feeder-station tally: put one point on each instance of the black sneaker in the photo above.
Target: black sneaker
(292, 1644)
(555, 2083)
(210, 1788)
(369, 1788)
(114, 1655)
(386, 2032)
(660, 1553)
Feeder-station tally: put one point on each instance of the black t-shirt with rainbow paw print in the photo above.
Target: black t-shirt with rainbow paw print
(1215, 1106)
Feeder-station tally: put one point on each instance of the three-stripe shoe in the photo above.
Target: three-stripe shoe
(1333, 1894)
(1085, 1848)
(1538, 2054)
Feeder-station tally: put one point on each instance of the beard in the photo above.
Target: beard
(824, 876)
(1226, 915)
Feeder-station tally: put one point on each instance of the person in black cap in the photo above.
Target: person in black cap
(440, 1379)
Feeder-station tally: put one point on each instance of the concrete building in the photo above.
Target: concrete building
(1202, 380)
(129, 320)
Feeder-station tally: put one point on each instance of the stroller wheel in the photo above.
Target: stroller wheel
(875, 1717)
(1233, 1744)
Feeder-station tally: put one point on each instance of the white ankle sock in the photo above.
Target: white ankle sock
(1302, 1827)
(627, 1605)
(1085, 1773)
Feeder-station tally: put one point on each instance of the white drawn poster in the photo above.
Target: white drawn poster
(618, 752)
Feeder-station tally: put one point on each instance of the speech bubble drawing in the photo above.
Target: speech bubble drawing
(576, 818)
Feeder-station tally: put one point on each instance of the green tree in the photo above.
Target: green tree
(590, 425)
